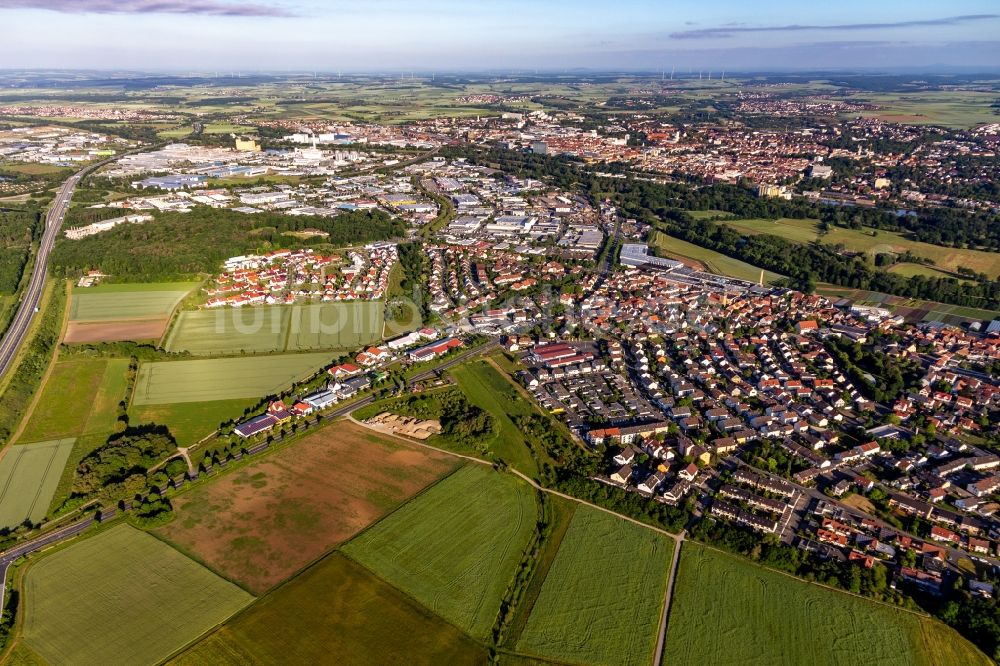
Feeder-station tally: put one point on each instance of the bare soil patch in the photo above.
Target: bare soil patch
(115, 331)
(263, 523)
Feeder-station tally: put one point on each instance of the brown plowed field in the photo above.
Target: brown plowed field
(115, 331)
(263, 523)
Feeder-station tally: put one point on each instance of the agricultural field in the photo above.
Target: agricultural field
(113, 312)
(264, 522)
(118, 302)
(489, 390)
(456, 547)
(602, 599)
(29, 474)
(122, 596)
(728, 610)
(710, 260)
(911, 309)
(872, 241)
(80, 397)
(189, 422)
(947, 108)
(909, 270)
(333, 326)
(344, 611)
(205, 380)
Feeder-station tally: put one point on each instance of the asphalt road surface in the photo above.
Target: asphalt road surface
(32, 296)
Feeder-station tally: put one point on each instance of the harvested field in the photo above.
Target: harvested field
(114, 331)
(602, 598)
(80, 397)
(221, 379)
(119, 302)
(728, 610)
(29, 474)
(456, 547)
(122, 597)
(261, 524)
(345, 611)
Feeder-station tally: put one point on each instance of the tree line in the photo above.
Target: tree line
(177, 245)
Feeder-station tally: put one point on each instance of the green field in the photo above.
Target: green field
(872, 241)
(333, 326)
(602, 599)
(80, 397)
(336, 610)
(113, 302)
(222, 378)
(488, 390)
(454, 548)
(29, 474)
(909, 270)
(123, 597)
(715, 262)
(727, 610)
(189, 422)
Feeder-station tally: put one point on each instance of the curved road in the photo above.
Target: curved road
(32, 296)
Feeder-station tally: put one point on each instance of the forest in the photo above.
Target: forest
(177, 245)
(18, 229)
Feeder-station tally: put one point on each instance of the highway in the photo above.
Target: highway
(32, 296)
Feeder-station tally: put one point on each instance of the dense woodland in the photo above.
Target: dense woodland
(18, 229)
(663, 206)
(176, 245)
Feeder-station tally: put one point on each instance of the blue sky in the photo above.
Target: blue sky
(206, 35)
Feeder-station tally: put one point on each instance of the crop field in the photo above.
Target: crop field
(712, 261)
(118, 302)
(909, 270)
(346, 613)
(124, 597)
(949, 108)
(80, 397)
(206, 380)
(863, 240)
(456, 547)
(29, 474)
(602, 599)
(912, 309)
(488, 390)
(728, 610)
(189, 422)
(80, 332)
(259, 525)
(333, 326)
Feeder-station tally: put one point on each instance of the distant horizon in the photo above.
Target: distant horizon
(435, 35)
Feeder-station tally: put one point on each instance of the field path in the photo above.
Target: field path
(662, 639)
(534, 484)
(48, 371)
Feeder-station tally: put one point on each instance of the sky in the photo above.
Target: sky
(516, 35)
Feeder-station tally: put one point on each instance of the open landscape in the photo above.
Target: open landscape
(29, 474)
(147, 599)
(170, 382)
(457, 563)
(333, 326)
(761, 616)
(602, 599)
(346, 611)
(259, 525)
(80, 397)
(130, 311)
